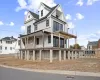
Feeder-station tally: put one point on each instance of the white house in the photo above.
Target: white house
(7, 45)
(46, 35)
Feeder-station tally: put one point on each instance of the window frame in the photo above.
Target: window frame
(41, 13)
(29, 29)
(47, 22)
(37, 41)
(49, 38)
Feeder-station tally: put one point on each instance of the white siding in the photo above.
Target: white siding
(8, 51)
(32, 26)
(45, 11)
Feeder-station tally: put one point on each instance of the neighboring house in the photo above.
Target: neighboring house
(46, 35)
(7, 45)
(93, 45)
(83, 48)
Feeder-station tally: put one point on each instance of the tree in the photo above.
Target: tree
(76, 46)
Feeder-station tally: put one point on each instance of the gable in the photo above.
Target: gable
(28, 17)
(59, 11)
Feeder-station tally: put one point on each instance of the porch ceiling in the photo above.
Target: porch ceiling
(38, 33)
(65, 35)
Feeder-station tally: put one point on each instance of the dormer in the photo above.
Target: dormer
(31, 16)
(43, 10)
(58, 13)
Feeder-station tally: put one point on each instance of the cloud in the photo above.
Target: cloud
(33, 4)
(79, 16)
(11, 24)
(68, 17)
(80, 3)
(90, 2)
(71, 25)
(22, 28)
(1, 23)
(25, 13)
(83, 39)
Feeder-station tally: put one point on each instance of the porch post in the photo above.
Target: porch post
(68, 42)
(64, 55)
(40, 55)
(69, 55)
(75, 43)
(21, 55)
(27, 54)
(33, 55)
(72, 54)
(34, 41)
(51, 56)
(59, 55)
(59, 40)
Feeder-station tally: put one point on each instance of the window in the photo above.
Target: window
(47, 22)
(10, 48)
(37, 41)
(61, 42)
(29, 16)
(5, 48)
(0, 47)
(49, 39)
(29, 29)
(35, 27)
(42, 13)
(57, 26)
(8, 42)
(56, 42)
(1, 41)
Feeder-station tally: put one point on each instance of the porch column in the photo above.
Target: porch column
(33, 55)
(75, 43)
(68, 42)
(21, 55)
(59, 55)
(75, 54)
(59, 40)
(25, 42)
(27, 54)
(51, 56)
(69, 55)
(40, 57)
(34, 41)
(72, 54)
(64, 55)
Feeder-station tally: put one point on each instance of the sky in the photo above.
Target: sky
(82, 16)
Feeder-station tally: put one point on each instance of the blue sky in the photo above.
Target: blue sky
(83, 17)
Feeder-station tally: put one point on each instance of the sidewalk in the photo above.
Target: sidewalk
(57, 71)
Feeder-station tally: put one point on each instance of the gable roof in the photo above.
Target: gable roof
(45, 5)
(52, 9)
(93, 43)
(9, 39)
(34, 15)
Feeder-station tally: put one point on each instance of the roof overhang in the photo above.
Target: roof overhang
(37, 33)
(64, 34)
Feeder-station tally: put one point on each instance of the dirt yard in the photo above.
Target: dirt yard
(87, 65)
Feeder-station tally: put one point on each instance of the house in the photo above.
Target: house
(46, 36)
(93, 45)
(7, 45)
(83, 48)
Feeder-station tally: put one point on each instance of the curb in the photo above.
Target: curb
(74, 73)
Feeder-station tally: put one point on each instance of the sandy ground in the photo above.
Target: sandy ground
(86, 65)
